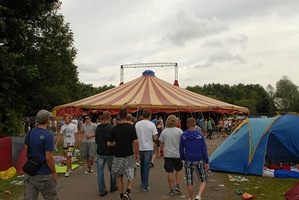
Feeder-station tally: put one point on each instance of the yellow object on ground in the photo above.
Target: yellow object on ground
(62, 169)
(11, 172)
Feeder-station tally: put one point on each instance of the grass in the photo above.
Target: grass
(16, 191)
(265, 188)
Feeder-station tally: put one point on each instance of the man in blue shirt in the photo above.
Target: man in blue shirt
(193, 151)
(41, 146)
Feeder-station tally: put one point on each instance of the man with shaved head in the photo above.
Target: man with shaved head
(193, 151)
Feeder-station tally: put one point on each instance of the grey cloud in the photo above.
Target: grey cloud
(187, 27)
(213, 43)
(84, 68)
(221, 57)
(258, 65)
(240, 40)
(236, 9)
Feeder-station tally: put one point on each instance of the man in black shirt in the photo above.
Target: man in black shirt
(105, 154)
(122, 136)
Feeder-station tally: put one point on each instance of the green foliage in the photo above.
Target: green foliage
(37, 60)
(8, 118)
(86, 90)
(254, 97)
(287, 95)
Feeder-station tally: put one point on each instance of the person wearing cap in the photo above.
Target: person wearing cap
(40, 142)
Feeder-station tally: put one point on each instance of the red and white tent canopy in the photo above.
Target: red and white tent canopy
(152, 93)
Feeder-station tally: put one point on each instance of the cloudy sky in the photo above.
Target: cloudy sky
(215, 41)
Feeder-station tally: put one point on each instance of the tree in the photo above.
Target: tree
(287, 95)
(254, 97)
(37, 61)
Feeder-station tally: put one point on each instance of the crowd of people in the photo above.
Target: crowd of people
(124, 144)
(223, 127)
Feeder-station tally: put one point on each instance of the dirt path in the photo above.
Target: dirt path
(84, 186)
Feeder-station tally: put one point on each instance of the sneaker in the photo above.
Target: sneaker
(66, 174)
(127, 196)
(88, 171)
(171, 193)
(197, 197)
(146, 190)
(178, 189)
(70, 171)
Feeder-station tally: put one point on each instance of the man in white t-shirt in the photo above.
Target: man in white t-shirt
(69, 132)
(147, 133)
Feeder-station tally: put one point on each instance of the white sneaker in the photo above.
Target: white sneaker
(89, 170)
(70, 171)
(197, 197)
(66, 174)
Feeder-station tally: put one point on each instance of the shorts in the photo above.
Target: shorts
(68, 149)
(171, 164)
(88, 150)
(199, 167)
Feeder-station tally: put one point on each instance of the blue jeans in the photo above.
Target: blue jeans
(145, 164)
(101, 160)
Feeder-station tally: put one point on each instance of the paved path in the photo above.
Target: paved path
(80, 186)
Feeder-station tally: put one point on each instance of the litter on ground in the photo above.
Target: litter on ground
(237, 178)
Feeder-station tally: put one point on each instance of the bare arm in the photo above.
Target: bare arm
(110, 144)
(162, 145)
(58, 139)
(25, 149)
(136, 150)
(51, 164)
(76, 140)
(155, 137)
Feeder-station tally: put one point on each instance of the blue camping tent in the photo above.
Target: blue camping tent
(256, 139)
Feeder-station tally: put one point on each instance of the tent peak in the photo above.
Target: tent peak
(148, 73)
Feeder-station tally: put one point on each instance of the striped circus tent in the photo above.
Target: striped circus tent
(149, 92)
